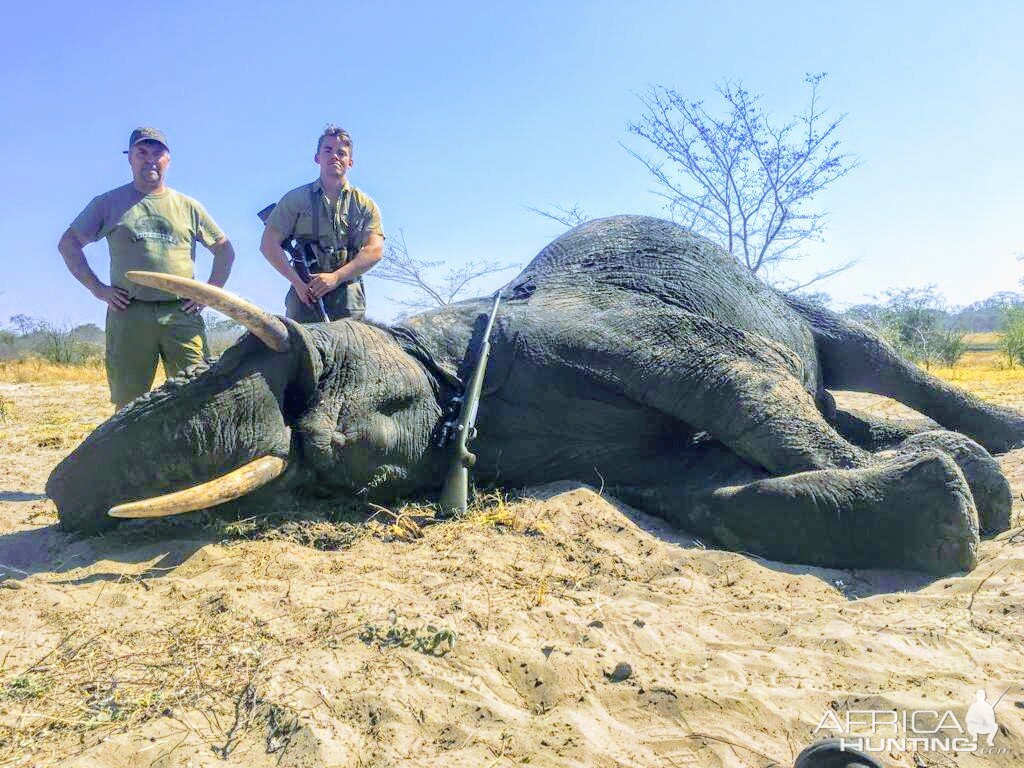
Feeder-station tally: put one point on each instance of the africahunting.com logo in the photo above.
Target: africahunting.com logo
(917, 730)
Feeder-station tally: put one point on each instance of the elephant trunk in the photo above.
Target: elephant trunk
(193, 429)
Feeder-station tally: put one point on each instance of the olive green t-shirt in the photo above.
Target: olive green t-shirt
(344, 226)
(156, 233)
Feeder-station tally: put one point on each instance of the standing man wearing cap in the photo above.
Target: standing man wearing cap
(148, 226)
(340, 223)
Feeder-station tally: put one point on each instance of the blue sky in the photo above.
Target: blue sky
(465, 113)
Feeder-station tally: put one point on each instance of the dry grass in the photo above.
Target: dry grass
(35, 370)
(988, 375)
(983, 342)
(983, 370)
(494, 509)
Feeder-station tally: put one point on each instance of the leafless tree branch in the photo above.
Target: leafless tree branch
(570, 217)
(787, 286)
(399, 266)
(738, 178)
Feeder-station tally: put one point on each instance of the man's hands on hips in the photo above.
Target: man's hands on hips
(116, 298)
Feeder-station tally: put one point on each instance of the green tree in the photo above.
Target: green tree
(1012, 342)
(917, 323)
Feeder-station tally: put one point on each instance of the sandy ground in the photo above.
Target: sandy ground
(568, 630)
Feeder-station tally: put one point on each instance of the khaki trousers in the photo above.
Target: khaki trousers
(143, 333)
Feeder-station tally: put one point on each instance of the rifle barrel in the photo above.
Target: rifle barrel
(455, 492)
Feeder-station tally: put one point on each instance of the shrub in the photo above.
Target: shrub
(915, 321)
(951, 346)
(221, 333)
(59, 344)
(1012, 342)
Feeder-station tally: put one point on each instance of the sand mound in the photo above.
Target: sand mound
(567, 630)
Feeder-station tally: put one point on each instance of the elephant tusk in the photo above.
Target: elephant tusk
(233, 485)
(263, 325)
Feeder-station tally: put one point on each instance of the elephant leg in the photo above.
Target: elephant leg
(835, 503)
(989, 486)
(855, 358)
(870, 432)
(747, 392)
(910, 511)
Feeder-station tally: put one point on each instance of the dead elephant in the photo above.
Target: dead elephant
(630, 350)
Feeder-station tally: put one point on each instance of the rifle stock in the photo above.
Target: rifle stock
(455, 492)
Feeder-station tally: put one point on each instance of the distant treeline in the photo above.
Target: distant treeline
(917, 320)
(980, 317)
(919, 323)
(26, 336)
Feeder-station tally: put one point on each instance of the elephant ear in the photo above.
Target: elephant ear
(309, 367)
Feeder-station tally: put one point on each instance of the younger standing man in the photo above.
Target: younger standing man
(148, 226)
(341, 223)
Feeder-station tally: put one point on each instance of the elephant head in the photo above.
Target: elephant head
(341, 406)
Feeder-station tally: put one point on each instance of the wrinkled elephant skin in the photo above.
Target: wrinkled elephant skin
(629, 350)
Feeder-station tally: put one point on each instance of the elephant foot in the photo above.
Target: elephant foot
(989, 487)
(912, 511)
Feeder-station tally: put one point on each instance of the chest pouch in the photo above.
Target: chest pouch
(349, 297)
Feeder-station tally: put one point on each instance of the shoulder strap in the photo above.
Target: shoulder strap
(315, 206)
(353, 230)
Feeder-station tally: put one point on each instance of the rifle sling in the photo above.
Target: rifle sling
(315, 206)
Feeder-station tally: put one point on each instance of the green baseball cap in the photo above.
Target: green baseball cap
(147, 134)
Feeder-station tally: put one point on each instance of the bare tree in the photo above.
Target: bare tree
(570, 217)
(398, 266)
(741, 180)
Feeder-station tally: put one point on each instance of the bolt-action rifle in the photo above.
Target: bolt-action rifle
(303, 258)
(455, 492)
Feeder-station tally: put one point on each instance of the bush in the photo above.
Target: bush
(915, 321)
(59, 345)
(1012, 343)
(54, 343)
(951, 347)
(8, 344)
